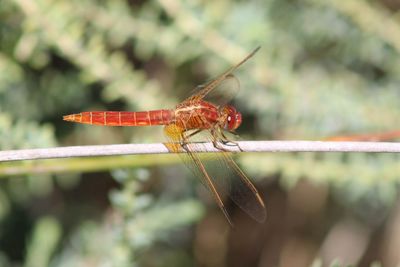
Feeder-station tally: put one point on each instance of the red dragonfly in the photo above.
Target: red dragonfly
(206, 114)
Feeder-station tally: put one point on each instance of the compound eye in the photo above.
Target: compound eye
(230, 123)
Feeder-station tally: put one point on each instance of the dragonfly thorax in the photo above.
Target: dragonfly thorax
(233, 118)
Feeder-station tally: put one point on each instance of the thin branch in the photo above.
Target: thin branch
(159, 148)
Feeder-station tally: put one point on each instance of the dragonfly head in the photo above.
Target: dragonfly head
(233, 119)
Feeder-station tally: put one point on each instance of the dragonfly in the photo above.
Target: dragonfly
(205, 113)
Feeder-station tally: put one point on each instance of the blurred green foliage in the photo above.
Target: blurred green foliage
(325, 68)
(43, 242)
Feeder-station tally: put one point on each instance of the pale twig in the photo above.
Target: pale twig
(159, 148)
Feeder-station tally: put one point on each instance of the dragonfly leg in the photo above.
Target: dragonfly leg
(225, 140)
(184, 144)
(217, 140)
(193, 133)
(217, 145)
(184, 139)
(231, 143)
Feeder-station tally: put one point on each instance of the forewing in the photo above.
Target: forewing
(224, 92)
(203, 90)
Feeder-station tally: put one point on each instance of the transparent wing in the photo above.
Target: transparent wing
(195, 165)
(233, 182)
(241, 189)
(224, 92)
(203, 90)
(222, 177)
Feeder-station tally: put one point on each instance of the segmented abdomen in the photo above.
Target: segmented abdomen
(123, 118)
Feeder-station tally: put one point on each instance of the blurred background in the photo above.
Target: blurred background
(325, 68)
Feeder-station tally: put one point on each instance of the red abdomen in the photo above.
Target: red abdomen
(122, 118)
